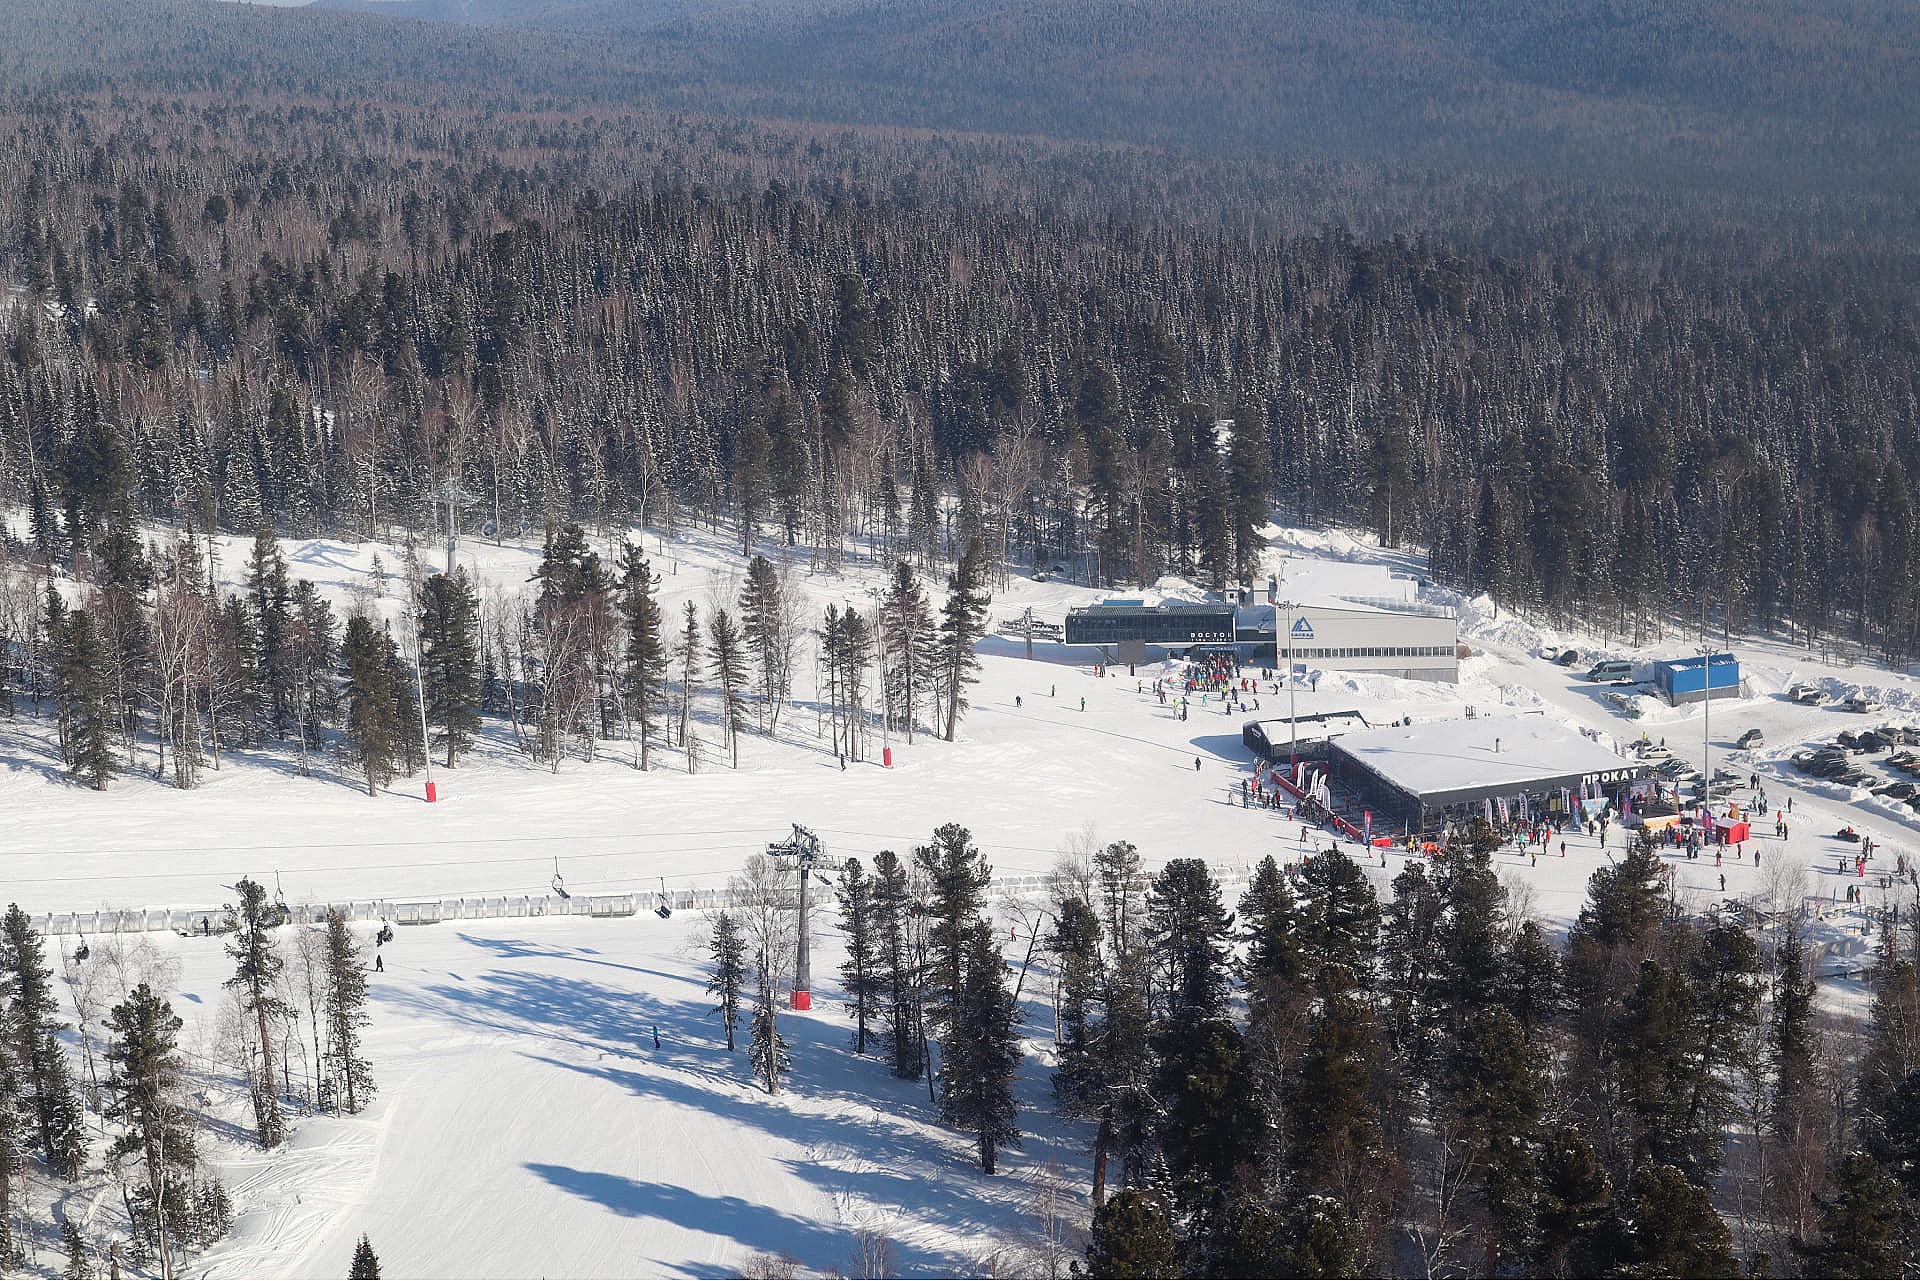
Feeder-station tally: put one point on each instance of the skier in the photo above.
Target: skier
(379, 963)
(1083, 702)
(1196, 764)
(1016, 701)
(656, 1033)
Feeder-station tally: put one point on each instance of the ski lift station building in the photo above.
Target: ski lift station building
(1321, 615)
(1427, 772)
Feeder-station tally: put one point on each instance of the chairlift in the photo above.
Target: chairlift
(82, 952)
(280, 900)
(663, 911)
(559, 885)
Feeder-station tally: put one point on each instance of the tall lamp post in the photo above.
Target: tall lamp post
(1706, 721)
(1293, 721)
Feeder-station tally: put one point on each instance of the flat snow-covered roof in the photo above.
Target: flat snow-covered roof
(1449, 761)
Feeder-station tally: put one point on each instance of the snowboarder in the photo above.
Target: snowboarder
(1083, 702)
(379, 963)
(1196, 764)
(1053, 691)
(656, 1026)
(1016, 701)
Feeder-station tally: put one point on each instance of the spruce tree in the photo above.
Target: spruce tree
(767, 1051)
(1497, 1094)
(372, 718)
(957, 880)
(1075, 944)
(907, 644)
(269, 595)
(147, 1091)
(727, 948)
(1574, 1201)
(31, 1026)
(1132, 1237)
(692, 655)
(963, 621)
(346, 1014)
(1673, 1229)
(1336, 1137)
(1270, 927)
(86, 701)
(860, 972)
(763, 620)
(256, 973)
(1859, 1223)
(450, 659)
(644, 669)
(366, 1264)
(726, 659)
(980, 1051)
(1213, 1123)
(1188, 930)
(895, 917)
(1791, 1035)
(1339, 920)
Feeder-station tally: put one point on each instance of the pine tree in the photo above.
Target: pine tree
(147, 1088)
(895, 918)
(1339, 920)
(957, 878)
(963, 621)
(346, 1014)
(366, 1264)
(1075, 944)
(450, 659)
(1270, 925)
(691, 653)
(31, 1025)
(644, 671)
(269, 595)
(726, 659)
(980, 1051)
(907, 641)
(1187, 934)
(860, 972)
(1132, 1237)
(1859, 1223)
(1674, 1230)
(86, 707)
(728, 950)
(257, 970)
(1213, 1122)
(1497, 1094)
(1336, 1139)
(764, 624)
(767, 1051)
(372, 721)
(1575, 1199)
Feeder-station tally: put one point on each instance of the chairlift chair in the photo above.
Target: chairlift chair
(559, 885)
(663, 911)
(82, 952)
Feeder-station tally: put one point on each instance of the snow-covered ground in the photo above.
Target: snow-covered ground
(527, 1125)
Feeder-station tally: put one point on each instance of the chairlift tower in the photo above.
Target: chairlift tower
(805, 849)
(455, 499)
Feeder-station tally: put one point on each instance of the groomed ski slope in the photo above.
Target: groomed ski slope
(526, 1125)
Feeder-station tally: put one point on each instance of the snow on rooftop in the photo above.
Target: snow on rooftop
(1451, 756)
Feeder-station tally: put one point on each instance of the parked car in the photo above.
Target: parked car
(1566, 658)
(1751, 739)
(1895, 791)
(1859, 703)
(1848, 739)
(1807, 694)
(1611, 671)
(1873, 741)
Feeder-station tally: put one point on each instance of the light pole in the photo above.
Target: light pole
(1706, 721)
(1293, 721)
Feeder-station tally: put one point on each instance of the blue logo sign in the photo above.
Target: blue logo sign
(1302, 629)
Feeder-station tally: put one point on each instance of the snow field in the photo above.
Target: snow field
(526, 1125)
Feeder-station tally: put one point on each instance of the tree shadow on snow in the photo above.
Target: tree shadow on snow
(756, 1227)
